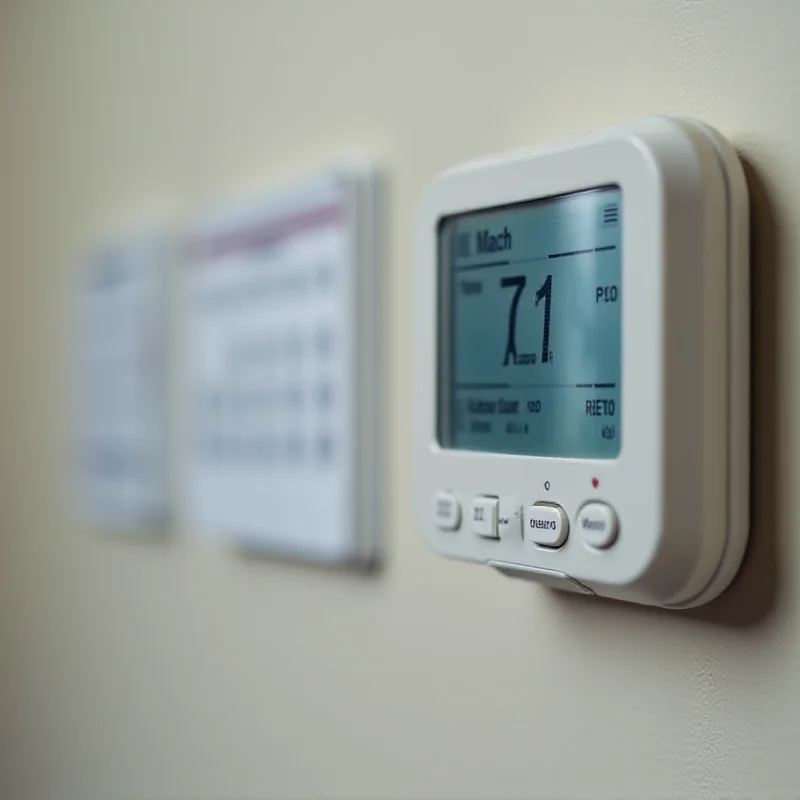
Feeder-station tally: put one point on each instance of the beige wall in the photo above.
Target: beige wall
(140, 670)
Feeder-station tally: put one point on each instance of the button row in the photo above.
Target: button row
(546, 524)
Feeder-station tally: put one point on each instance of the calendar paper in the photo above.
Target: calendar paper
(272, 372)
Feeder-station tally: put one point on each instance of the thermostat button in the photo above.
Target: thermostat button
(546, 524)
(598, 524)
(484, 516)
(446, 511)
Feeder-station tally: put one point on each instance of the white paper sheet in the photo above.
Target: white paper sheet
(121, 383)
(271, 372)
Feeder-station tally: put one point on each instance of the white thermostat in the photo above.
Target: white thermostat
(581, 363)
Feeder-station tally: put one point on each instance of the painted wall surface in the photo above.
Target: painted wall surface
(172, 670)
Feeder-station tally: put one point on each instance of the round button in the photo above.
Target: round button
(598, 524)
(546, 524)
(446, 511)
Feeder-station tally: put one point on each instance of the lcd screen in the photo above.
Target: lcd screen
(530, 305)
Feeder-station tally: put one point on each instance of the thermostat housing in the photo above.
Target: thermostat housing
(581, 363)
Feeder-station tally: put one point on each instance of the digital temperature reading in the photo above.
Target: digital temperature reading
(530, 327)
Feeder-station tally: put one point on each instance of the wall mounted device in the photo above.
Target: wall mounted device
(581, 363)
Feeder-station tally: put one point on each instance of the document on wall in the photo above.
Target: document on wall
(272, 334)
(122, 470)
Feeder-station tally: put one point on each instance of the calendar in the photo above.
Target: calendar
(284, 370)
(122, 383)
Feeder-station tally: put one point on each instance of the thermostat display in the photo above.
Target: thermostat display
(530, 326)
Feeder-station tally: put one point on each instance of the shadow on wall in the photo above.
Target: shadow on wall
(753, 596)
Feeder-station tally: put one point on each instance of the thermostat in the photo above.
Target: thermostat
(581, 363)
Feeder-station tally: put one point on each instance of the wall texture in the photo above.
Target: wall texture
(175, 670)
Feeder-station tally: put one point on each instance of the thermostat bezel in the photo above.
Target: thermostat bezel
(680, 484)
